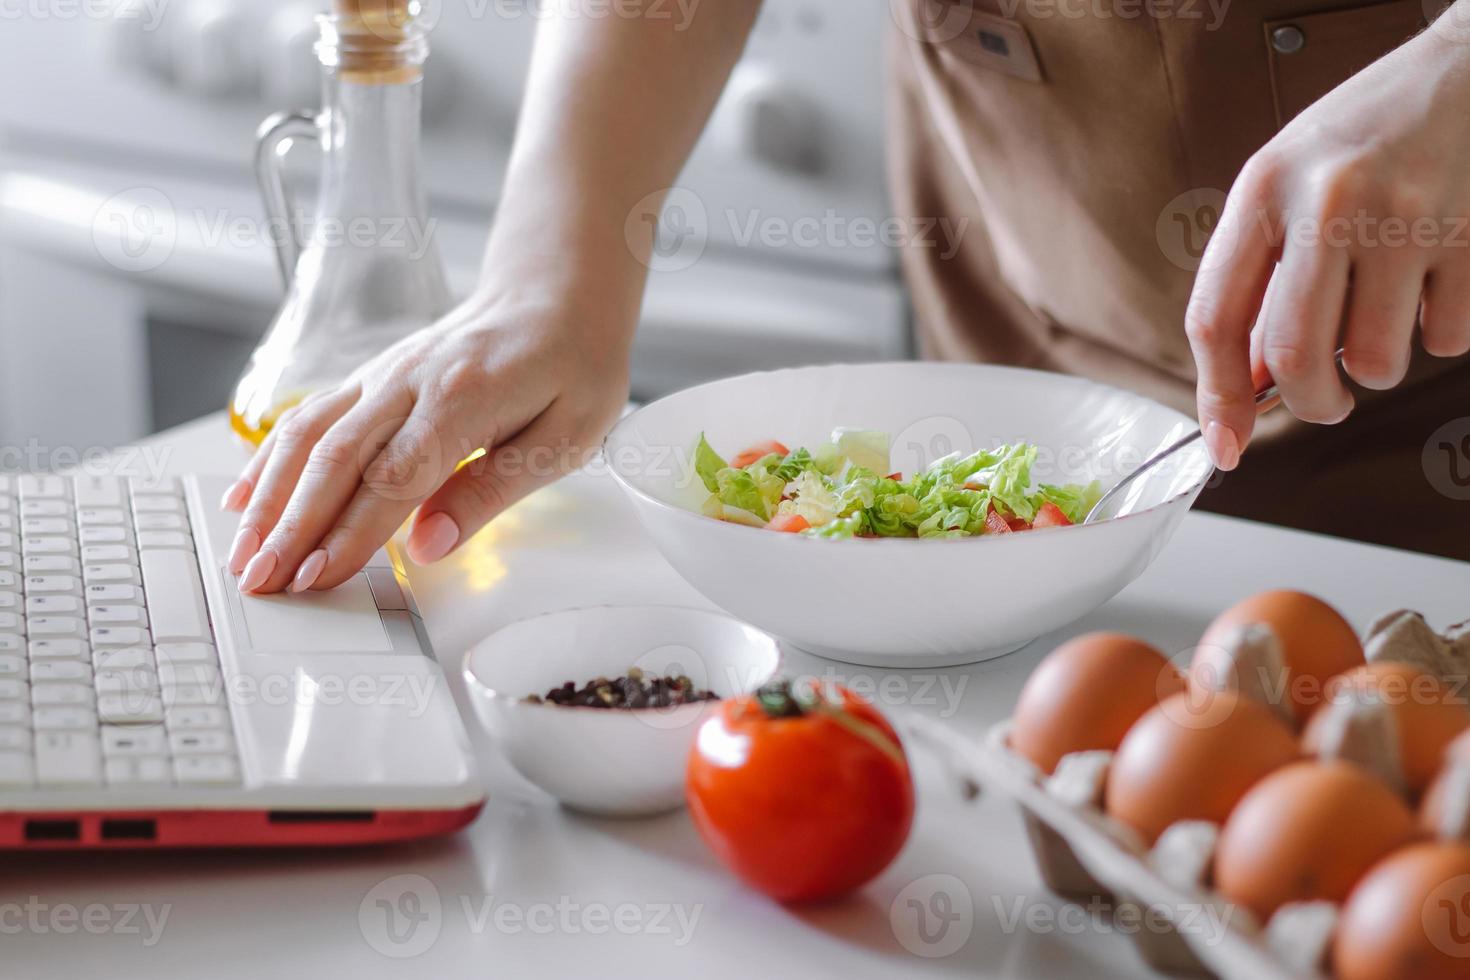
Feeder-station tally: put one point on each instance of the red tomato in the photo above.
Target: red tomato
(788, 522)
(995, 524)
(803, 799)
(1018, 524)
(1050, 515)
(759, 451)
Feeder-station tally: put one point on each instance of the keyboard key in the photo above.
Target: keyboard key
(102, 516)
(9, 541)
(13, 666)
(45, 671)
(157, 505)
(70, 695)
(12, 623)
(120, 636)
(125, 740)
(147, 486)
(53, 585)
(60, 649)
(15, 713)
(202, 743)
(9, 582)
(14, 739)
(143, 769)
(186, 653)
(175, 597)
(44, 626)
(12, 643)
(127, 658)
(193, 696)
(114, 594)
(188, 675)
(64, 718)
(165, 539)
(45, 508)
(117, 616)
(53, 605)
(160, 522)
(9, 561)
(38, 526)
(51, 565)
(206, 769)
(182, 719)
(99, 491)
(7, 520)
(132, 680)
(112, 575)
(101, 534)
(108, 554)
(14, 689)
(129, 709)
(17, 770)
(48, 545)
(68, 759)
(35, 486)
(10, 602)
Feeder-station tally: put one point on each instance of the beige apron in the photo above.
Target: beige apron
(1085, 146)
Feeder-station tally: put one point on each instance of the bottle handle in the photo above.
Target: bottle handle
(272, 141)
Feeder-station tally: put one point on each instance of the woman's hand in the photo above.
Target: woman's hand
(1341, 232)
(536, 386)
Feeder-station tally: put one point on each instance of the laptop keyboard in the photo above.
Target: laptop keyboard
(108, 671)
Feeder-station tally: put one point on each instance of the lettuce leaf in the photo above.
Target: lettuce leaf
(1074, 500)
(707, 464)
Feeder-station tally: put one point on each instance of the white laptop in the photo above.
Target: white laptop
(145, 702)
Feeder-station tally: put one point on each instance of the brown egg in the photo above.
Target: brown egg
(1450, 788)
(1086, 694)
(1408, 918)
(1427, 715)
(1307, 832)
(1194, 761)
(1316, 644)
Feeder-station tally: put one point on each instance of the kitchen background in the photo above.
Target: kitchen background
(136, 265)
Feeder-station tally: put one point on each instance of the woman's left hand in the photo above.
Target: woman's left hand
(1343, 231)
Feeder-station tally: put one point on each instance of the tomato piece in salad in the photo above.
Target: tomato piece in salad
(1050, 515)
(790, 523)
(759, 451)
(995, 524)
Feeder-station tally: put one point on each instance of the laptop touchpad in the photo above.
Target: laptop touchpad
(343, 620)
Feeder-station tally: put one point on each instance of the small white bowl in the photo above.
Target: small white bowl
(614, 761)
(895, 602)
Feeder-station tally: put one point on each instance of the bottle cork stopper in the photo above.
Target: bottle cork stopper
(373, 37)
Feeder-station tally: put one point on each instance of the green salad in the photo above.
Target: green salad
(845, 489)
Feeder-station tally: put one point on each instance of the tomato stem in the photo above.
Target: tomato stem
(777, 700)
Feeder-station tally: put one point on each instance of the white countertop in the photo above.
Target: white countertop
(530, 888)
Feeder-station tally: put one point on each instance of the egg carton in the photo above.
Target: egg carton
(1180, 925)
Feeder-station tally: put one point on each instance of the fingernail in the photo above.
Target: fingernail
(247, 543)
(258, 571)
(1224, 445)
(432, 538)
(310, 570)
(235, 497)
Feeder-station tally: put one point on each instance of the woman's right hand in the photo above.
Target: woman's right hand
(535, 384)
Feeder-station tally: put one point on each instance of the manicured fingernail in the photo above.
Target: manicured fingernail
(247, 543)
(258, 571)
(235, 497)
(1224, 445)
(432, 538)
(310, 570)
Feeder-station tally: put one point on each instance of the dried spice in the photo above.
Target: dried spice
(631, 690)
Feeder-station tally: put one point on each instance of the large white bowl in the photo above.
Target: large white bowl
(623, 762)
(907, 602)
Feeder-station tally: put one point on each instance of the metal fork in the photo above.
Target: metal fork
(1266, 399)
